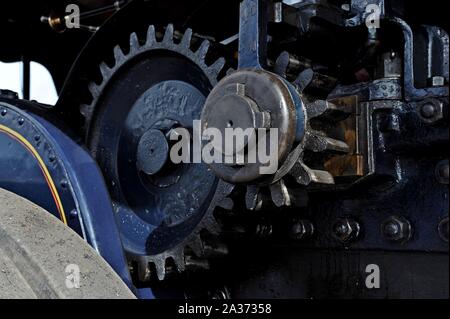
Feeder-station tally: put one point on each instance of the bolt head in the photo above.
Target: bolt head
(264, 231)
(302, 229)
(342, 229)
(392, 229)
(73, 213)
(346, 230)
(437, 81)
(431, 111)
(397, 229)
(427, 111)
(345, 7)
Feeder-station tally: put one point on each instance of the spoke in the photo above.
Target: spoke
(253, 34)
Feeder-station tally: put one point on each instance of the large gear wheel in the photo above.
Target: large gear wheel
(165, 211)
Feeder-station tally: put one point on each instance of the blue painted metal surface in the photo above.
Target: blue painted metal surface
(253, 41)
(26, 179)
(411, 92)
(76, 176)
(253, 35)
(299, 107)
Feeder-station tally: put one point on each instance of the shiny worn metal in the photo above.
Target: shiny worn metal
(397, 229)
(431, 110)
(301, 230)
(346, 230)
(264, 101)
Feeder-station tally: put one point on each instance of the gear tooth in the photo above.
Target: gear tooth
(327, 110)
(86, 110)
(179, 262)
(143, 271)
(280, 194)
(217, 66)
(304, 79)
(317, 108)
(253, 200)
(94, 89)
(305, 175)
(178, 258)
(105, 70)
(187, 37)
(214, 227)
(226, 203)
(216, 249)
(203, 50)
(151, 35)
(319, 143)
(168, 35)
(196, 264)
(225, 189)
(230, 71)
(322, 177)
(196, 245)
(118, 54)
(160, 266)
(134, 41)
(281, 64)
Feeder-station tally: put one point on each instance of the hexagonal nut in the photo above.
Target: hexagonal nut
(301, 229)
(436, 81)
(397, 229)
(346, 230)
(431, 110)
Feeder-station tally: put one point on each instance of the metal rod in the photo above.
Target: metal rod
(25, 78)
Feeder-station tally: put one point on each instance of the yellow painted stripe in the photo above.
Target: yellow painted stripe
(43, 167)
